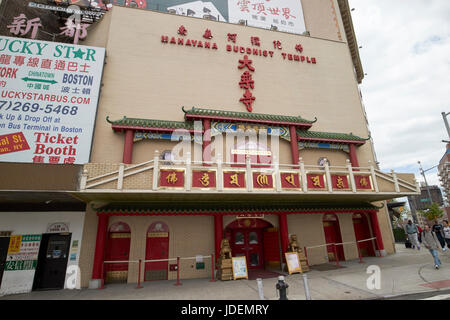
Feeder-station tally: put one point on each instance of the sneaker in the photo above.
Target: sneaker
(436, 266)
(418, 248)
(444, 249)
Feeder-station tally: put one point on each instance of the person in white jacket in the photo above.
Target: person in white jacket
(447, 233)
(431, 242)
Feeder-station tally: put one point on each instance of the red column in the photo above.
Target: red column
(294, 144)
(284, 234)
(206, 139)
(128, 146)
(218, 235)
(100, 245)
(377, 232)
(353, 158)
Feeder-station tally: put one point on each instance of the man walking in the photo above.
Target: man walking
(411, 231)
(430, 241)
(438, 229)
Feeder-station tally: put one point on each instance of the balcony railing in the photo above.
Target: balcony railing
(226, 177)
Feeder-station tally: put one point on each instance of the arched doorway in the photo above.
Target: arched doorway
(256, 239)
(117, 249)
(333, 235)
(362, 231)
(157, 248)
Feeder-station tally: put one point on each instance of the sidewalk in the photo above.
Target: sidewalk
(406, 272)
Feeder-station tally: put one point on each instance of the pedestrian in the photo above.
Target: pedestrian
(430, 241)
(411, 231)
(438, 229)
(447, 233)
(420, 233)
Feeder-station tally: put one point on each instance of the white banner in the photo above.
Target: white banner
(286, 15)
(48, 100)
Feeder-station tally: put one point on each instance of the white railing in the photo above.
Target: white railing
(372, 175)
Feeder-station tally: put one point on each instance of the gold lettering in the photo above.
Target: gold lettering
(234, 179)
(290, 179)
(205, 180)
(316, 181)
(172, 178)
(262, 180)
(340, 183)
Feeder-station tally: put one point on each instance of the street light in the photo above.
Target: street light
(426, 183)
(444, 116)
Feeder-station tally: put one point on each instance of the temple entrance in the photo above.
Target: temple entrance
(247, 238)
(157, 248)
(362, 231)
(333, 235)
(117, 249)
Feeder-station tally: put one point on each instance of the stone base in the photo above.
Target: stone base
(95, 283)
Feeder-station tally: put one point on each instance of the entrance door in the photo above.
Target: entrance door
(157, 248)
(248, 243)
(333, 235)
(118, 249)
(4, 244)
(52, 261)
(362, 232)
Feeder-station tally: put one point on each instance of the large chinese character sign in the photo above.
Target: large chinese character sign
(48, 100)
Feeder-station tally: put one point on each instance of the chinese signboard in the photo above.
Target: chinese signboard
(23, 252)
(48, 100)
(286, 15)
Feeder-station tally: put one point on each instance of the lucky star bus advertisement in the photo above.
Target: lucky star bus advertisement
(48, 100)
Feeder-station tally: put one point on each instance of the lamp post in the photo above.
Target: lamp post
(444, 116)
(426, 183)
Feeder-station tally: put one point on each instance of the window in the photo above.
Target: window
(239, 238)
(253, 238)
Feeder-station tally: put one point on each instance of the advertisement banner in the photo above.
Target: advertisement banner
(48, 100)
(286, 15)
(26, 257)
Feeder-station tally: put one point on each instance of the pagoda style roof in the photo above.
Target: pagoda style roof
(333, 137)
(192, 209)
(235, 116)
(149, 124)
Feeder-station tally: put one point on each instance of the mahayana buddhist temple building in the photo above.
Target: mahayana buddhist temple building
(182, 130)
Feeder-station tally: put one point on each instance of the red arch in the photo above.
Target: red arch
(332, 232)
(362, 232)
(117, 249)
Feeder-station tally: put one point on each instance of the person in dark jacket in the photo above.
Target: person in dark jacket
(438, 229)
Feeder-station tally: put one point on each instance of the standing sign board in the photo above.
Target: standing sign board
(48, 100)
(239, 268)
(293, 262)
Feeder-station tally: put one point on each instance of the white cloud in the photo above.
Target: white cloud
(406, 55)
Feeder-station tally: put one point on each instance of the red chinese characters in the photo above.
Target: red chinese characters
(182, 31)
(247, 83)
(171, 178)
(203, 179)
(232, 37)
(290, 180)
(315, 181)
(363, 182)
(207, 34)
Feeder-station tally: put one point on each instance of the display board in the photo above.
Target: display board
(293, 262)
(48, 100)
(239, 268)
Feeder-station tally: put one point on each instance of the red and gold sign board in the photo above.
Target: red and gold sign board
(234, 179)
(250, 215)
(171, 178)
(290, 180)
(262, 180)
(316, 181)
(363, 182)
(203, 179)
(339, 182)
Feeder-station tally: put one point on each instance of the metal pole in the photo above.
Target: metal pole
(426, 183)
(444, 116)
(305, 283)
(139, 276)
(212, 268)
(260, 289)
(178, 272)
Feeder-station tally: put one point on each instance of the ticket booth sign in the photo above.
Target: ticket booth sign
(262, 180)
(316, 181)
(339, 182)
(290, 180)
(234, 179)
(204, 179)
(171, 178)
(363, 182)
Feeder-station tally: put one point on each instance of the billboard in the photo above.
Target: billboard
(285, 15)
(48, 100)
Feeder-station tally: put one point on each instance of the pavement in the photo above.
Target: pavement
(406, 273)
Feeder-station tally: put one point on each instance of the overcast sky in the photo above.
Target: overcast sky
(406, 55)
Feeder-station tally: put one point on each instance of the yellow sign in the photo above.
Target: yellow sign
(293, 262)
(14, 244)
(234, 179)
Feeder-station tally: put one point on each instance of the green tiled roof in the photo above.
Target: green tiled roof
(247, 116)
(149, 123)
(332, 136)
(231, 209)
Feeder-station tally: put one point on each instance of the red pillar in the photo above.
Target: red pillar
(128, 146)
(206, 139)
(218, 234)
(377, 232)
(100, 245)
(294, 144)
(284, 233)
(353, 158)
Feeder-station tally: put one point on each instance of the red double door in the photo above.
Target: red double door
(333, 235)
(157, 248)
(362, 232)
(118, 249)
(248, 243)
